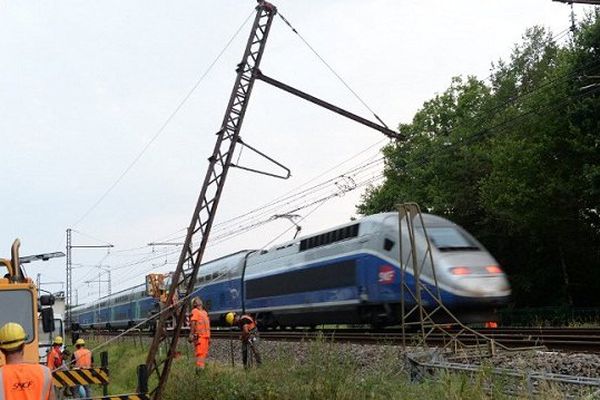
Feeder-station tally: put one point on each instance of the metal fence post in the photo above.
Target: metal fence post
(104, 364)
(142, 375)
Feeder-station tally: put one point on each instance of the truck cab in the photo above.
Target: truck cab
(19, 303)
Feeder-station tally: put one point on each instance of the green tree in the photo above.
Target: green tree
(516, 162)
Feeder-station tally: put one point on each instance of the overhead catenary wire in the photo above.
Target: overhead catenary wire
(318, 202)
(309, 204)
(319, 205)
(338, 76)
(547, 84)
(277, 199)
(164, 125)
(294, 202)
(304, 199)
(244, 229)
(90, 237)
(509, 122)
(300, 196)
(293, 208)
(91, 269)
(274, 207)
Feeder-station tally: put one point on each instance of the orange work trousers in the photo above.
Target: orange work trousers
(201, 350)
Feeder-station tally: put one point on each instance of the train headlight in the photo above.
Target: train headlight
(493, 269)
(461, 271)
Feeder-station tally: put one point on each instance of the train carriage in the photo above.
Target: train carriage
(346, 275)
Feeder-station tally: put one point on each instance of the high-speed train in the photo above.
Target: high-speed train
(349, 274)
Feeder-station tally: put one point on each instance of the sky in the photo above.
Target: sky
(87, 87)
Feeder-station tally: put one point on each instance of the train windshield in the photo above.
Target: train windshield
(450, 239)
(17, 306)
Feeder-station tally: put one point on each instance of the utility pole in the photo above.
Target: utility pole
(571, 2)
(69, 267)
(154, 244)
(108, 281)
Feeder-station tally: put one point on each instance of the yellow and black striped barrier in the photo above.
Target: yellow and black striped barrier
(74, 377)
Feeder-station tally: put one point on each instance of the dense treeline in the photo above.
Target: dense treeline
(515, 159)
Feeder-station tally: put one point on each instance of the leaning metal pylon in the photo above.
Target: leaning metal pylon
(421, 303)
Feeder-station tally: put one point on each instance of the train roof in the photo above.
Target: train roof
(367, 224)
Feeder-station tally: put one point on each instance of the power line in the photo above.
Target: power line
(164, 125)
(503, 125)
(90, 236)
(284, 196)
(319, 205)
(234, 233)
(284, 201)
(330, 68)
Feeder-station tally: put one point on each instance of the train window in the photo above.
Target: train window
(335, 236)
(334, 275)
(450, 239)
(329, 237)
(388, 244)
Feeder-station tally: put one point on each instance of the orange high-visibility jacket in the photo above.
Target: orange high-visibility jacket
(248, 321)
(83, 358)
(55, 358)
(25, 382)
(202, 329)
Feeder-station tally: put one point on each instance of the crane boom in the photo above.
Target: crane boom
(183, 283)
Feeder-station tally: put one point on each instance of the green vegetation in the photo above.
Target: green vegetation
(516, 161)
(324, 373)
(552, 316)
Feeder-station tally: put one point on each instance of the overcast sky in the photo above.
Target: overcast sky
(85, 85)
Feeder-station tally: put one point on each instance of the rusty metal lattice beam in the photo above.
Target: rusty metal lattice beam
(182, 282)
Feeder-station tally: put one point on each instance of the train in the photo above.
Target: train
(349, 274)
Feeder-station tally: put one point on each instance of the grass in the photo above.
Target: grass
(324, 373)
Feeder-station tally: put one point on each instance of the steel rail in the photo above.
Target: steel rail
(567, 339)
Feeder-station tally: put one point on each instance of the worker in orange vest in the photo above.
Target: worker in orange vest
(249, 335)
(199, 332)
(20, 380)
(82, 358)
(55, 356)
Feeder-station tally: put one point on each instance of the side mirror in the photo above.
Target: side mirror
(47, 300)
(47, 319)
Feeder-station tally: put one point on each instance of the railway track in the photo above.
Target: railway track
(565, 339)
(569, 339)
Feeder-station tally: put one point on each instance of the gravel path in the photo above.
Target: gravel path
(370, 356)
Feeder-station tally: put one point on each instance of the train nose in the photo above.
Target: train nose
(483, 279)
(487, 270)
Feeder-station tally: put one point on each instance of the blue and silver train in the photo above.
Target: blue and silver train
(346, 275)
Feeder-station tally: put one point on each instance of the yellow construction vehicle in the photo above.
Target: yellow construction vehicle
(19, 303)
